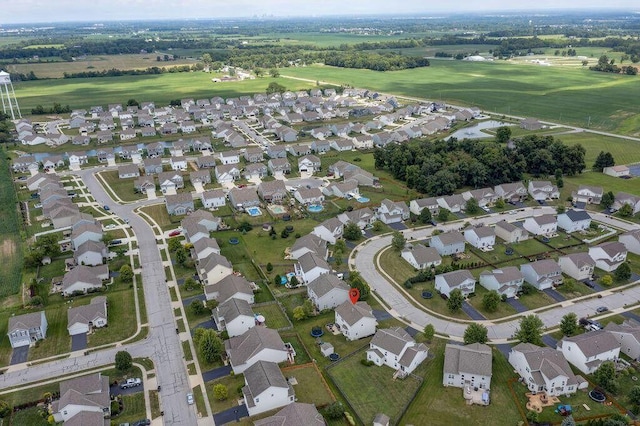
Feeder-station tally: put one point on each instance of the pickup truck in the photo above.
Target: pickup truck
(131, 383)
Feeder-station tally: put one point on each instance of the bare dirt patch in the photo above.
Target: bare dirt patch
(8, 248)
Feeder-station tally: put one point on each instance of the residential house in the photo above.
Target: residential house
(342, 144)
(52, 162)
(24, 164)
(226, 173)
(230, 286)
(83, 279)
(544, 370)
(178, 164)
(546, 225)
(229, 157)
(511, 192)
(392, 211)
(306, 244)
(84, 400)
(242, 198)
(310, 266)
(170, 181)
(266, 388)
(467, 366)
(628, 336)
(309, 195)
(588, 194)
(506, 281)
(362, 217)
(460, 279)
(253, 154)
(320, 146)
(77, 159)
(328, 291)
(588, 351)
(144, 184)
(212, 269)
(255, 171)
(255, 345)
(83, 232)
(510, 233)
(152, 166)
(277, 151)
(481, 237)
(416, 206)
(484, 196)
(623, 198)
(541, 190)
(395, 348)
(279, 166)
(83, 319)
(127, 134)
(294, 414)
(347, 189)
(168, 128)
(203, 247)
(530, 124)
(203, 218)
(128, 171)
(105, 154)
(23, 330)
(206, 162)
(330, 230)
(542, 274)
(90, 253)
(213, 199)
(448, 243)
(234, 316)
(309, 164)
(574, 220)
(454, 203)
(609, 256)
(616, 171)
(200, 176)
(155, 149)
(273, 191)
(421, 257)
(179, 204)
(631, 241)
(579, 266)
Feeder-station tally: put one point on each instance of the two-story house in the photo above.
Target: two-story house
(23, 330)
(546, 225)
(506, 281)
(310, 266)
(510, 233)
(578, 266)
(395, 348)
(392, 211)
(481, 237)
(588, 351)
(420, 256)
(266, 388)
(461, 279)
(234, 316)
(574, 220)
(609, 256)
(448, 243)
(327, 291)
(542, 274)
(256, 344)
(355, 320)
(467, 366)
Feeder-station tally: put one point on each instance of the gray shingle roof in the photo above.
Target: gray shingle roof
(87, 313)
(351, 313)
(233, 308)
(310, 260)
(262, 375)
(25, 321)
(470, 359)
(577, 215)
(241, 348)
(295, 414)
(547, 361)
(325, 283)
(593, 343)
(451, 237)
(423, 254)
(391, 339)
(505, 275)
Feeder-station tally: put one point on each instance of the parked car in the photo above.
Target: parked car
(37, 206)
(190, 400)
(115, 242)
(175, 233)
(131, 383)
(106, 207)
(144, 422)
(601, 309)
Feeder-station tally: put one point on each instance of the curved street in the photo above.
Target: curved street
(398, 303)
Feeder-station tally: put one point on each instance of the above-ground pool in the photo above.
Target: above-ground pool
(233, 241)
(315, 208)
(362, 200)
(334, 357)
(254, 211)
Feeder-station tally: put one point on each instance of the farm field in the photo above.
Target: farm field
(548, 93)
(623, 151)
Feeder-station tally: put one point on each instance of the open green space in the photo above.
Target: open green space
(134, 409)
(122, 188)
(311, 387)
(234, 384)
(624, 151)
(361, 386)
(275, 318)
(11, 245)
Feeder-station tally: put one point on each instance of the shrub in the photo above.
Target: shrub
(366, 362)
(115, 408)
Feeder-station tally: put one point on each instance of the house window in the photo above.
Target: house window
(257, 400)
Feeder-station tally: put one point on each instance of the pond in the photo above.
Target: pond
(475, 132)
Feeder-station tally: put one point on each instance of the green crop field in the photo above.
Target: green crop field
(85, 92)
(569, 95)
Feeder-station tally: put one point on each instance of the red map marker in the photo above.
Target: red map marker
(354, 295)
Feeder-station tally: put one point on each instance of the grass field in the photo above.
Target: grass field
(362, 386)
(134, 409)
(275, 318)
(623, 151)
(311, 387)
(551, 93)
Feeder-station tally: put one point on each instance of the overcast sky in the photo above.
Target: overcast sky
(23, 11)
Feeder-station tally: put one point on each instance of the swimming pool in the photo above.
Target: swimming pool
(277, 209)
(254, 211)
(362, 200)
(315, 208)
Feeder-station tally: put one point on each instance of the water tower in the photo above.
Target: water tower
(9, 101)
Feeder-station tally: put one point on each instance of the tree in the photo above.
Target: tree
(425, 216)
(308, 307)
(569, 324)
(606, 280)
(623, 273)
(5, 409)
(605, 377)
(475, 333)
(634, 395)
(275, 87)
(191, 284)
(626, 210)
(443, 215)
(299, 313)
(604, 159)
(607, 199)
(259, 72)
(174, 244)
(398, 241)
(126, 273)
(560, 208)
(277, 280)
(532, 416)
(471, 206)
(220, 392)
(491, 300)
(269, 267)
(352, 231)
(530, 330)
(503, 134)
(273, 72)
(210, 345)
(206, 59)
(499, 203)
(334, 411)
(361, 285)
(293, 282)
(428, 332)
(123, 361)
(181, 255)
(454, 302)
(197, 308)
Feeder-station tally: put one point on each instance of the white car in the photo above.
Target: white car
(190, 400)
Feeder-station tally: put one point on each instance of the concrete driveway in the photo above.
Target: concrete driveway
(19, 355)
(78, 342)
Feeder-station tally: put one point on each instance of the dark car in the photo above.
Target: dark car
(144, 422)
(175, 233)
(589, 284)
(107, 208)
(601, 309)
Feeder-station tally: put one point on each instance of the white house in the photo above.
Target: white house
(461, 279)
(542, 274)
(510, 233)
(309, 195)
(609, 256)
(23, 330)
(82, 319)
(213, 199)
(235, 316)
(90, 253)
(213, 268)
(628, 336)
(574, 220)
(306, 244)
(266, 388)
(578, 266)
(454, 203)
(204, 247)
(448, 243)
(484, 196)
(544, 370)
(392, 211)
(420, 256)
(330, 230)
(482, 237)
(506, 281)
(623, 198)
(541, 190)
(327, 291)
(545, 224)
(84, 400)
(356, 321)
(226, 173)
(310, 266)
(631, 241)
(395, 348)
(616, 171)
(230, 287)
(589, 350)
(256, 344)
(587, 194)
(309, 164)
(229, 157)
(468, 365)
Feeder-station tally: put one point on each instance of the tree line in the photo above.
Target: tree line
(441, 167)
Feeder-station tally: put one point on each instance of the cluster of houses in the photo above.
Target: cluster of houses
(542, 274)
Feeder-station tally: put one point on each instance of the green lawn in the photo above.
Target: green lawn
(122, 316)
(30, 416)
(623, 151)
(275, 318)
(302, 355)
(134, 409)
(504, 309)
(234, 386)
(199, 397)
(158, 212)
(311, 387)
(122, 188)
(609, 183)
(362, 387)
